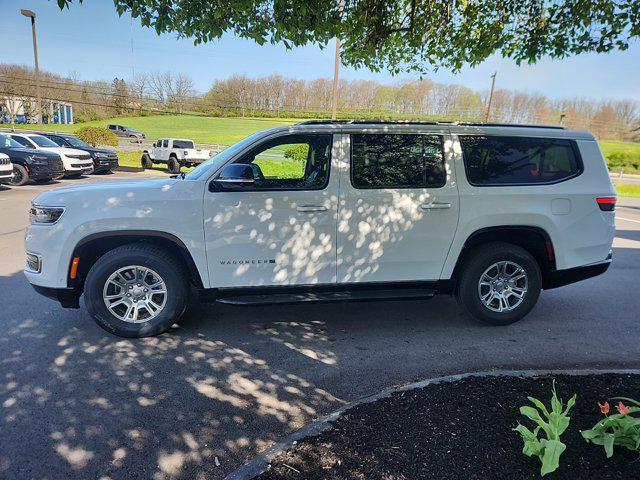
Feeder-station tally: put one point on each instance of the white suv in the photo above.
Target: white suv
(6, 169)
(332, 211)
(76, 162)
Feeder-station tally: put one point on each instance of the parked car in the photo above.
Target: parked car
(176, 153)
(327, 211)
(122, 131)
(76, 162)
(103, 160)
(6, 169)
(29, 163)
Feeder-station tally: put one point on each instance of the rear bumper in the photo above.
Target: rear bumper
(68, 297)
(560, 278)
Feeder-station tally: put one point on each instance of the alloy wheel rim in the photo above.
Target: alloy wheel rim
(17, 176)
(503, 286)
(135, 294)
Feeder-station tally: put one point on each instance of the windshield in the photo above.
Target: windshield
(7, 142)
(42, 141)
(75, 142)
(221, 158)
(183, 144)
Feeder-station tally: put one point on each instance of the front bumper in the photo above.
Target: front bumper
(102, 165)
(83, 170)
(50, 170)
(6, 175)
(560, 278)
(68, 297)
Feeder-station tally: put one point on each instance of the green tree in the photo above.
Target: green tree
(405, 35)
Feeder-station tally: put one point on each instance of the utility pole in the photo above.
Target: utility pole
(562, 117)
(32, 16)
(336, 69)
(493, 84)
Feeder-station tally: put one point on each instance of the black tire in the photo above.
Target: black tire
(477, 262)
(146, 161)
(155, 258)
(20, 176)
(173, 165)
(43, 181)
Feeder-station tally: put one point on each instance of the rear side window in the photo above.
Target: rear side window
(493, 160)
(397, 161)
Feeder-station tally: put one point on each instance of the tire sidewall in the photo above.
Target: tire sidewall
(23, 172)
(476, 266)
(177, 292)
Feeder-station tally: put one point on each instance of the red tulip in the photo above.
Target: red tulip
(622, 408)
(604, 407)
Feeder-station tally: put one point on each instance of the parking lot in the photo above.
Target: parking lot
(201, 400)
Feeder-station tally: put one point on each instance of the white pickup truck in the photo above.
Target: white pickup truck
(175, 152)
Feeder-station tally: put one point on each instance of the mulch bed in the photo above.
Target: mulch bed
(460, 430)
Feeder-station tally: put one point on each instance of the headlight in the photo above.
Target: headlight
(100, 155)
(40, 214)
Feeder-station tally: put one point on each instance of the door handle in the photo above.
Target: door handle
(311, 208)
(435, 206)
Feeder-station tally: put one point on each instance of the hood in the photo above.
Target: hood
(62, 196)
(29, 151)
(98, 150)
(64, 150)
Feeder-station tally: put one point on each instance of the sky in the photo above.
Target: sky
(93, 42)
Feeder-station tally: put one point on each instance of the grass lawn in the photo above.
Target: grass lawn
(628, 189)
(625, 155)
(211, 130)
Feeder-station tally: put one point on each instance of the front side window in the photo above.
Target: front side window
(397, 161)
(23, 141)
(292, 162)
(494, 160)
(165, 143)
(73, 141)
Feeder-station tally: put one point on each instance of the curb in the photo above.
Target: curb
(260, 462)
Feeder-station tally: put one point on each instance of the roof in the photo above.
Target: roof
(411, 122)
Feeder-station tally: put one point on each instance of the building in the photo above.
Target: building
(24, 110)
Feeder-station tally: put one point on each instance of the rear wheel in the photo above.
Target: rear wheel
(136, 291)
(20, 176)
(146, 161)
(173, 165)
(500, 283)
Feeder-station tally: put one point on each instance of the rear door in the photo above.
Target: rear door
(282, 229)
(398, 207)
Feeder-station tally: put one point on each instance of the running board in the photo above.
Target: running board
(336, 296)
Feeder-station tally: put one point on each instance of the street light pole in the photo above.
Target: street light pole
(336, 68)
(32, 16)
(493, 84)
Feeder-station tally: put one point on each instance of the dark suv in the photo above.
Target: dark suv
(103, 160)
(30, 164)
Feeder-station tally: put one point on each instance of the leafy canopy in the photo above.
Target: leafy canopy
(405, 35)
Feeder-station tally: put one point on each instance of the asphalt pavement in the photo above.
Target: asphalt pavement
(78, 403)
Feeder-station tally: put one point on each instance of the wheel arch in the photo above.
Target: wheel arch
(534, 239)
(93, 246)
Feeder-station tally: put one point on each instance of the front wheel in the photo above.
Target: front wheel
(500, 283)
(146, 161)
(136, 291)
(20, 176)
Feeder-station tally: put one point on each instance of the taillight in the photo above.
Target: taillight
(606, 204)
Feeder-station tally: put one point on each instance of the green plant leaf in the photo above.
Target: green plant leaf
(608, 444)
(551, 458)
(540, 405)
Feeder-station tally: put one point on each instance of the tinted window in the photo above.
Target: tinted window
(42, 141)
(518, 160)
(7, 142)
(183, 144)
(22, 141)
(291, 162)
(58, 140)
(397, 161)
(165, 143)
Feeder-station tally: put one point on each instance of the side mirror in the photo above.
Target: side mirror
(234, 176)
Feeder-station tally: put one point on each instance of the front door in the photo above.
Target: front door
(281, 230)
(398, 207)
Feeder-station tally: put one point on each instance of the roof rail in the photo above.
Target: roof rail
(418, 122)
